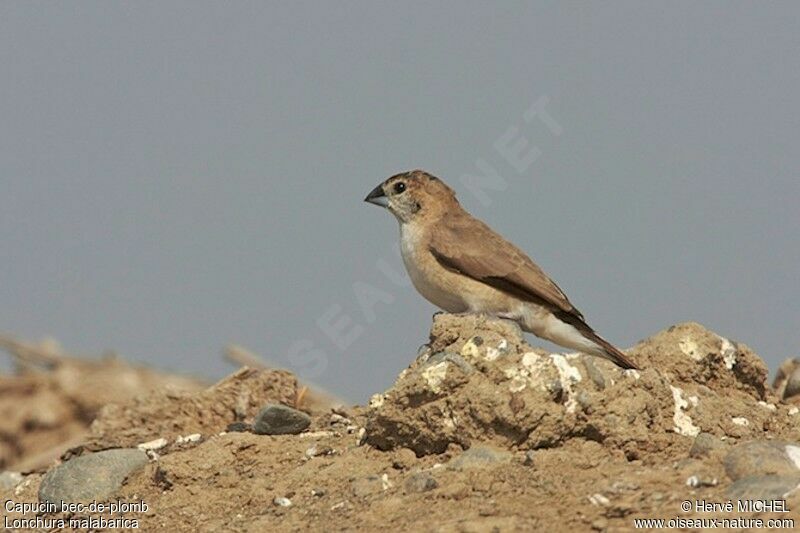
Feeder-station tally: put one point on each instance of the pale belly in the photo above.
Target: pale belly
(448, 290)
(434, 288)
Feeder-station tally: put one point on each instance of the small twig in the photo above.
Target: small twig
(308, 396)
(241, 356)
(47, 353)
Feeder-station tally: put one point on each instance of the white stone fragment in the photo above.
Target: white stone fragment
(728, 352)
(152, 445)
(690, 348)
(339, 419)
(695, 481)
(740, 421)
(470, 349)
(315, 435)
(683, 422)
(793, 411)
(376, 400)
(194, 437)
(530, 359)
(280, 501)
(434, 375)
(765, 405)
(22, 486)
(794, 454)
(568, 375)
(599, 499)
(494, 353)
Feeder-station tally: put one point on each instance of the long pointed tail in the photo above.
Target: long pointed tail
(602, 348)
(610, 352)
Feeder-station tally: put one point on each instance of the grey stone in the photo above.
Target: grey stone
(276, 419)
(479, 456)
(97, 476)
(9, 479)
(450, 357)
(759, 458)
(763, 487)
(705, 444)
(420, 482)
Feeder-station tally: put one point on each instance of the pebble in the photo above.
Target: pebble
(9, 479)
(194, 437)
(704, 445)
(153, 445)
(337, 419)
(760, 458)
(361, 437)
(276, 419)
(450, 357)
(316, 451)
(239, 427)
(420, 482)
(281, 501)
(479, 456)
(698, 482)
(96, 476)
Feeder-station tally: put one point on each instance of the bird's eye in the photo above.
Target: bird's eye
(399, 187)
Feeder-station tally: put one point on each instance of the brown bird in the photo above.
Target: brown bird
(461, 265)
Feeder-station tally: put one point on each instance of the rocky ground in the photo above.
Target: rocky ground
(482, 432)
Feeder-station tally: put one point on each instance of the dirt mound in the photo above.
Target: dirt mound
(170, 414)
(479, 381)
(481, 433)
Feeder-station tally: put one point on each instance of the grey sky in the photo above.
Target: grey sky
(175, 176)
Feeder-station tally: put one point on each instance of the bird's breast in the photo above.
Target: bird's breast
(434, 282)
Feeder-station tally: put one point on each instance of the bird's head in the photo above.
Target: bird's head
(412, 195)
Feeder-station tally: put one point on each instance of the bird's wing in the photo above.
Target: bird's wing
(470, 247)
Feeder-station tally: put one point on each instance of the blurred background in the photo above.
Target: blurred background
(175, 176)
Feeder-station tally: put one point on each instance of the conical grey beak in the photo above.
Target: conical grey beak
(377, 197)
